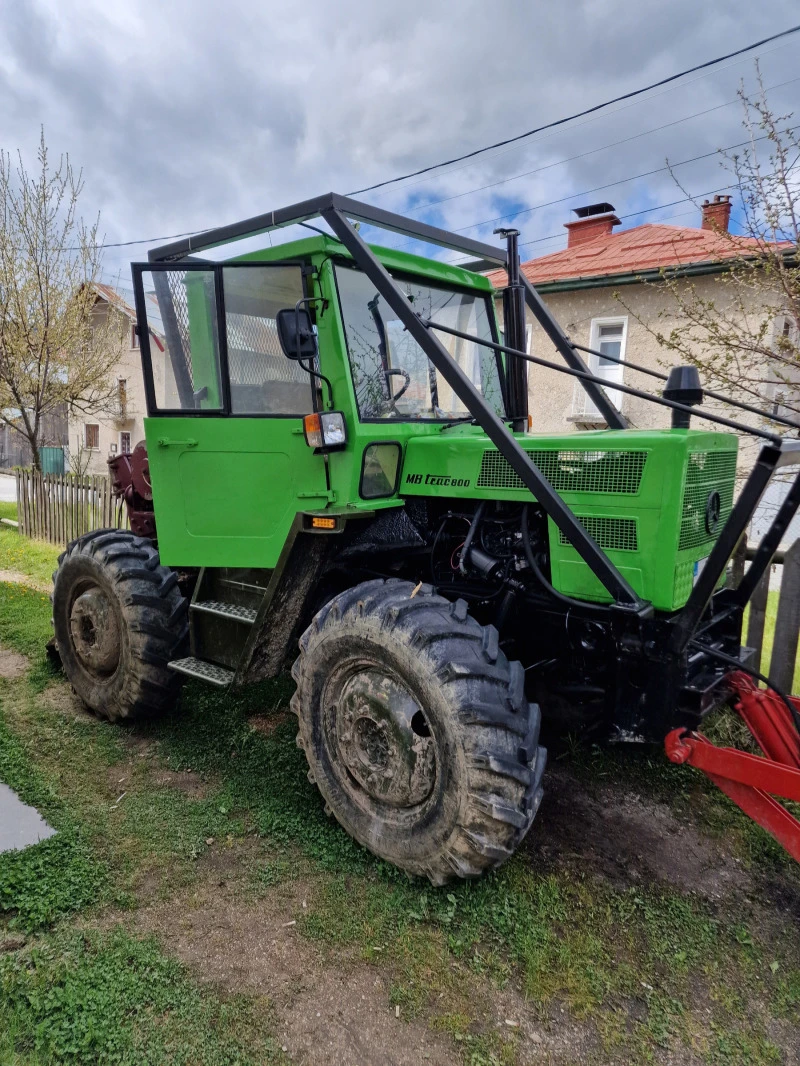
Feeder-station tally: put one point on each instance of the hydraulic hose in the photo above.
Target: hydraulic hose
(526, 544)
(473, 529)
(731, 661)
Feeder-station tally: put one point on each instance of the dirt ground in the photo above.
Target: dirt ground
(335, 1010)
(12, 664)
(14, 577)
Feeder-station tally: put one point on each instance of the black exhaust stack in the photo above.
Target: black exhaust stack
(683, 386)
(514, 320)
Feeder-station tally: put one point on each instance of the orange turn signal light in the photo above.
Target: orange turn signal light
(313, 430)
(323, 523)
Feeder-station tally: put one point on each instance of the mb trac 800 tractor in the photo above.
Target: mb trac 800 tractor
(340, 469)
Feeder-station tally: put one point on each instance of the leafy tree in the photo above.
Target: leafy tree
(744, 334)
(56, 353)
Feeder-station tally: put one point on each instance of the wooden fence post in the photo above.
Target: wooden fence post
(758, 616)
(18, 484)
(787, 623)
(737, 564)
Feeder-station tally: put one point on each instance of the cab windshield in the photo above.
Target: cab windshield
(392, 377)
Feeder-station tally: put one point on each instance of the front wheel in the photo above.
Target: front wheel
(417, 731)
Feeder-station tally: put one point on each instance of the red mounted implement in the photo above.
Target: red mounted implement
(752, 781)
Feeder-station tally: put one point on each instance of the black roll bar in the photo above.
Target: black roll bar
(336, 210)
(629, 390)
(495, 429)
(488, 254)
(742, 406)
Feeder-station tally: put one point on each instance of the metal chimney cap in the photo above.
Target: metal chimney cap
(593, 209)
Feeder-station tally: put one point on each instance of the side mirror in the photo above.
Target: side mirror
(296, 334)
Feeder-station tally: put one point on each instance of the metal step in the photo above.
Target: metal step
(226, 610)
(203, 671)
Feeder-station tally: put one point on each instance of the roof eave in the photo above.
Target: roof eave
(597, 281)
(634, 277)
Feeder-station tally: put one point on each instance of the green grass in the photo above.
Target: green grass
(110, 998)
(647, 968)
(36, 559)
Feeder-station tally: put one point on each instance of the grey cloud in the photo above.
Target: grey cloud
(191, 114)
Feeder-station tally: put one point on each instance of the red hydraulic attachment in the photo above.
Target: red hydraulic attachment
(750, 780)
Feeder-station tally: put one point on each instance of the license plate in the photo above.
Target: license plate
(698, 569)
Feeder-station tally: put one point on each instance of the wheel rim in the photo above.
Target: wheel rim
(383, 738)
(94, 629)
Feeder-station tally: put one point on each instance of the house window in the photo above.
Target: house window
(125, 443)
(122, 394)
(608, 337)
(91, 436)
(134, 336)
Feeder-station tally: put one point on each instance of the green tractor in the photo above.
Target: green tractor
(339, 470)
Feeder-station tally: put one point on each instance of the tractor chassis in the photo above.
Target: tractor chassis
(662, 672)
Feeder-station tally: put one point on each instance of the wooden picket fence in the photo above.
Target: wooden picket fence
(783, 661)
(61, 507)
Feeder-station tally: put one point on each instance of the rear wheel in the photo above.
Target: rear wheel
(417, 731)
(119, 618)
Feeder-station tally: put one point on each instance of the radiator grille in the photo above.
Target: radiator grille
(570, 471)
(612, 534)
(707, 472)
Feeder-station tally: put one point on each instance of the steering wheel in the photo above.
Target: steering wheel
(406, 382)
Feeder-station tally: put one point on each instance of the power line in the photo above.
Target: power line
(577, 114)
(619, 181)
(592, 151)
(592, 118)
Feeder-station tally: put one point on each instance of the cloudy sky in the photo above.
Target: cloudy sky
(186, 114)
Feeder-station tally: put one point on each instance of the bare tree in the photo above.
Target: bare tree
(744, 333)
(55, 353)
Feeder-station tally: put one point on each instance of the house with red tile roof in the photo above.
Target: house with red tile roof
(93, 438)
(603, 288)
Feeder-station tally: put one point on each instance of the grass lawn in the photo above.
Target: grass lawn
(197, 906)
(36, 559)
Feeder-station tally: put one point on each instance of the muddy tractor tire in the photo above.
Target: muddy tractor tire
(417, 730)
(119, 618)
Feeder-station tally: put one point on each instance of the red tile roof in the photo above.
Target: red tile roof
(641, 248)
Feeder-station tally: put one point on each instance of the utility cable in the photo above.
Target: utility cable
(579, 114)
(620, 181)
(592, 151)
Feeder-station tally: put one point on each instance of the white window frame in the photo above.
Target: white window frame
(614, 373)
(86, 426)
(124, 433)
(134, 337)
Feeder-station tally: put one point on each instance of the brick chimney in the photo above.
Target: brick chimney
(596, 220)
(716, 213)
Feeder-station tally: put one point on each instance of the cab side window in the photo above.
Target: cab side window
(262, 380)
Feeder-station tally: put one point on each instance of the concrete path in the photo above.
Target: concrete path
(20, 825)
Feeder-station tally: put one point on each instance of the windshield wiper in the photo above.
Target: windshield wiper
(468, 418)
(460, 422)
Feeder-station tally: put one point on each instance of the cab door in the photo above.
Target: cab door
(229, 464)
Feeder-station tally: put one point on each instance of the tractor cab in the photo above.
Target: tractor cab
(244, 425)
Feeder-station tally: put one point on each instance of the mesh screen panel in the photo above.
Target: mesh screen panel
(707, 472)
(612, 534)
(255, 354)
(176, 280)
(570, 471)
